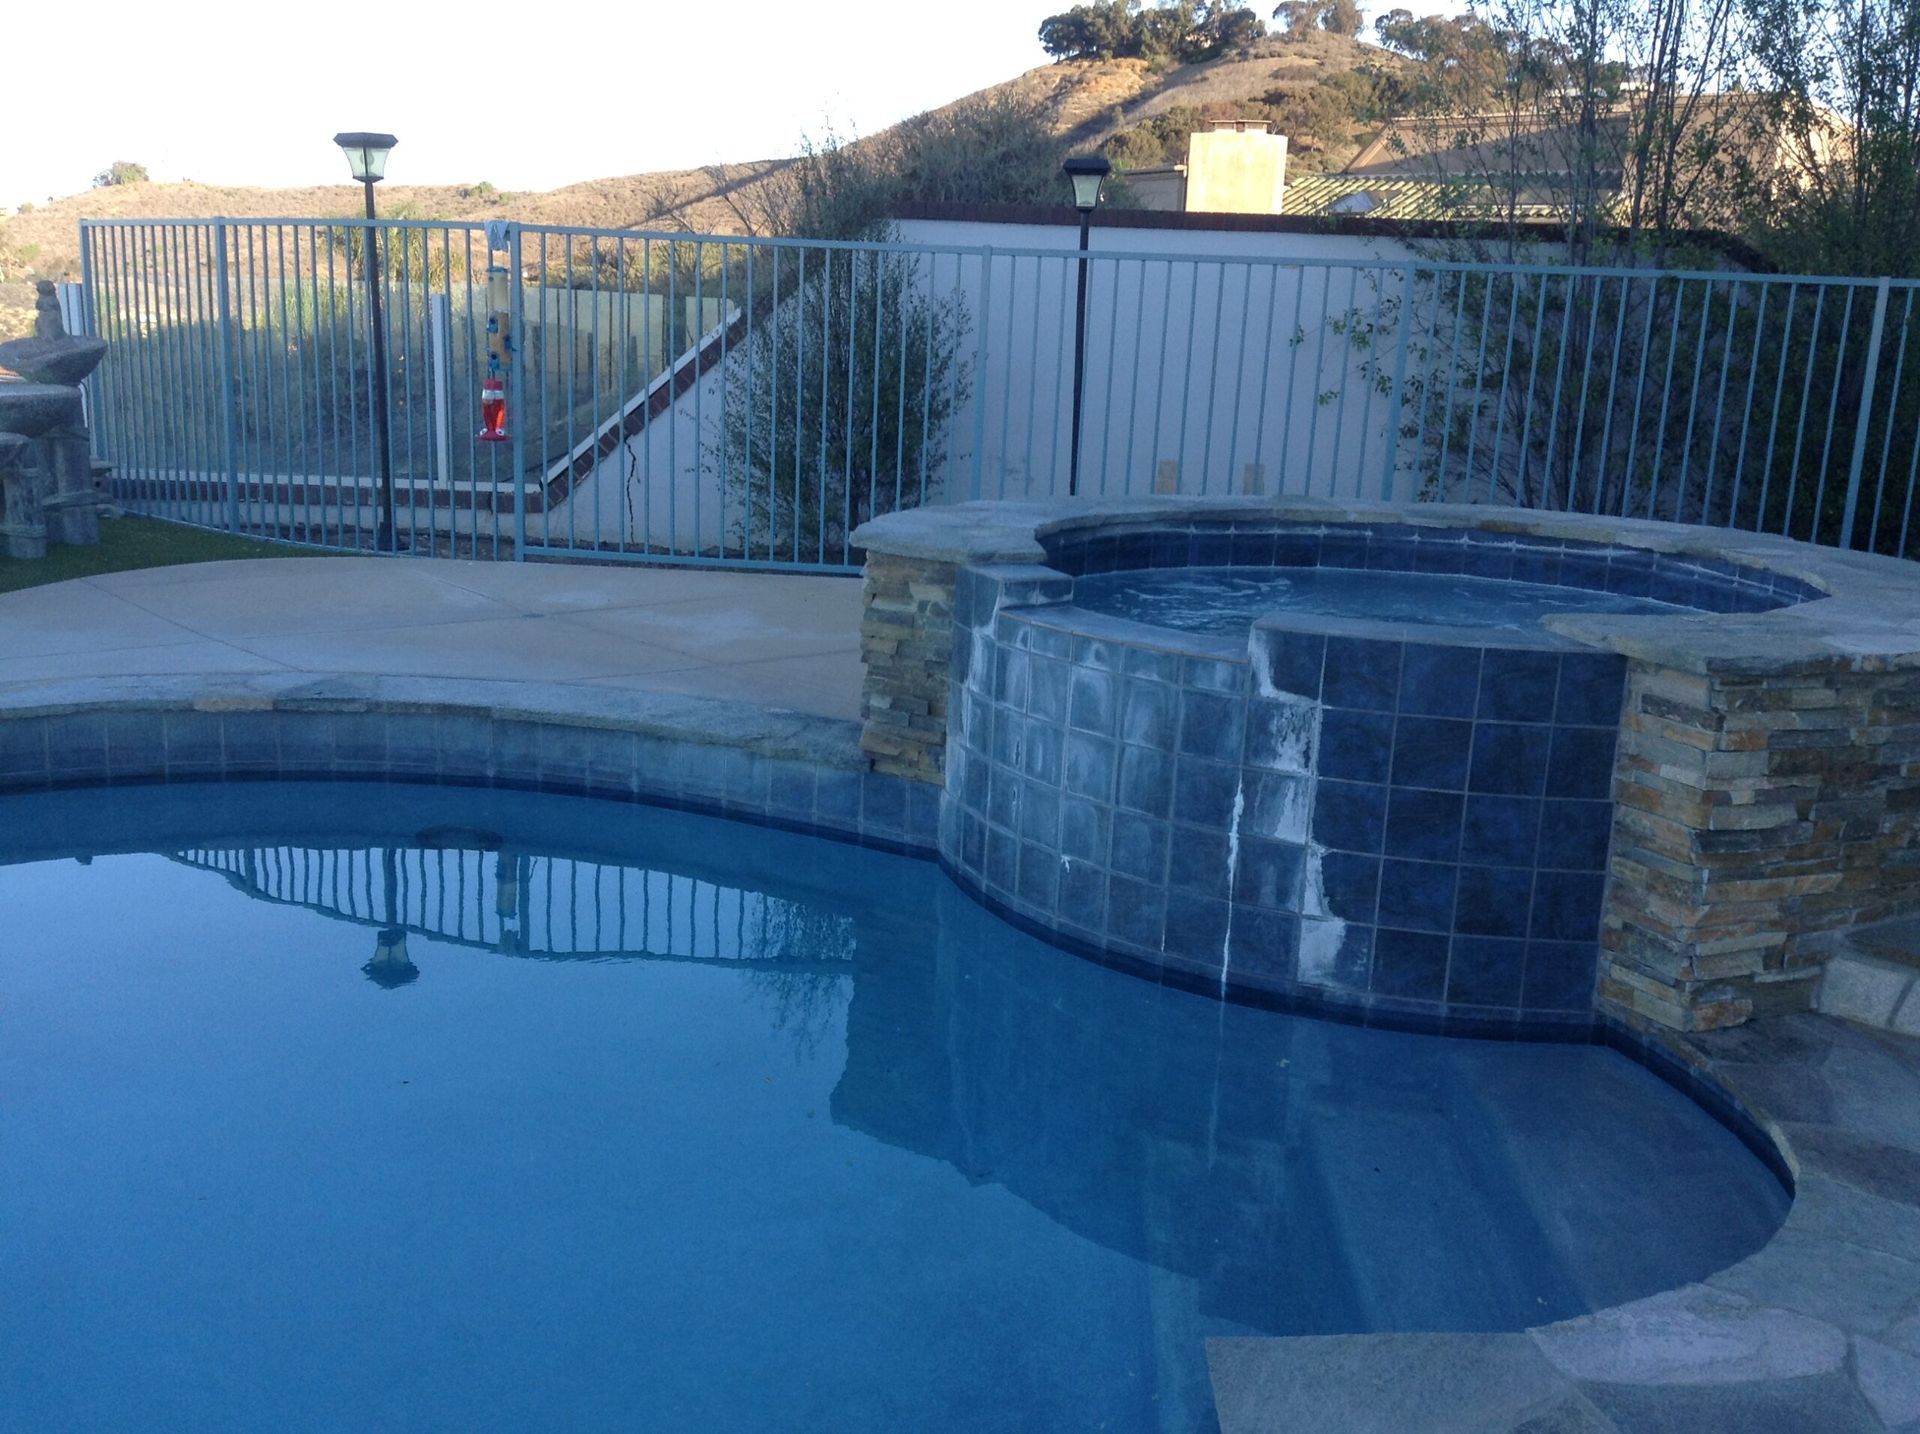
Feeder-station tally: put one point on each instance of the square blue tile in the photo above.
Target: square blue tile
(1047, 688)
(1039, 875)
(1280, 734)
(1291, 661)
(1517, 686)
(1084, 830)
(1277, 806)
(1335, 955)
(1090, 705)
(1148, 714)
(1439, 681)
(1560, 976)
(1349, 816)
(1409, 964)
(1485, 971)
(1493, 900)
(1263, 944)
(1040, 752)
(1509, 759)
(1582, 762)
(1431, 752)
(1349, 884)
(1566, 906)
(1146, 780)
(1136, 912)
(1211, 725)
(1422, 825)
(1361, 672)
(1356, 746)
(1500, 831)
(1090, 766)
(1592, 685)
(1197, 929)
(1002, 869)
(1139, 847)
(1416, 895)
(1040, 813)
(1203, 792)
(1268, 873)
(1082, 895)
(1198, 861)
(1574, 835)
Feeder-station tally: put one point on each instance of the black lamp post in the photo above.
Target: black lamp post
(367, 159)
(1088, 172)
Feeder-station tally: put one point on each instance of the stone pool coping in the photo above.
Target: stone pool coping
(1818, 1329)
(1870, 618)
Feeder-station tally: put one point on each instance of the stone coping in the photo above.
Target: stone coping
(1819, 1329)
(754, 763)
(1870, 619)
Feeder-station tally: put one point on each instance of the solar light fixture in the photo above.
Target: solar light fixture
(367, 159)
(1087, 173)
(366, 154)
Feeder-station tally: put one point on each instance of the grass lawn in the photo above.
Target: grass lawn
(138, 543)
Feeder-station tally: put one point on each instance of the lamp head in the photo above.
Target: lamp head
(1088, 172)
(366, 154)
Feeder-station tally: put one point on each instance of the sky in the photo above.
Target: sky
(521, 96)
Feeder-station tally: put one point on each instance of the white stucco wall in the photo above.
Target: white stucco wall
(1215, 363)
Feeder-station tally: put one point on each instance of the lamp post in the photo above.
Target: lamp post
(367, 159)
(1087, 172)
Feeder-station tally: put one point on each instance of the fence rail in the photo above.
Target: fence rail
(728, 400)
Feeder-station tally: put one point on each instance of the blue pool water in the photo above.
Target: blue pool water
(1225, 601)
(665, 1123)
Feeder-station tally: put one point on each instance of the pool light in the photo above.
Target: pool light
(367, 161)
(1087, 172)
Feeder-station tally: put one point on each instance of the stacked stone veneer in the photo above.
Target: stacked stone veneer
(1758, 816)
(906, 642)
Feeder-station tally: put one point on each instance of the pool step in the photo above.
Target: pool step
(1874, 977)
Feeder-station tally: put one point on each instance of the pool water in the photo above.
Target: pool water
(339, 1106)
(1225, 601)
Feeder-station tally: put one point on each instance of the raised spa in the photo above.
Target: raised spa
(1351, 765)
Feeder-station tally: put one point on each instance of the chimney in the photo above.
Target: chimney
(1236, 167)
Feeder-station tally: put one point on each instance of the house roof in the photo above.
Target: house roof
(1360, 196)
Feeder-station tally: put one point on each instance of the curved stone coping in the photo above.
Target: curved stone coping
(1869, 620)
(1817, 1330)
(739, 760)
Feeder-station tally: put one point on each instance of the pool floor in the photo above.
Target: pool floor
(340, 1106)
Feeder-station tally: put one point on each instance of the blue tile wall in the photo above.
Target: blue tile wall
(187, 745)
(1412, 831)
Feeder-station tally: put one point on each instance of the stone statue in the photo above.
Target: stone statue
(46, 455)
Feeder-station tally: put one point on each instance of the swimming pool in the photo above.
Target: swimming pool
(358, 1105)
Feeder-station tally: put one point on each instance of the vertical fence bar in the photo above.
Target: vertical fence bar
(1867, 384)
(1399, 385)
(230, 430)
(517, 381)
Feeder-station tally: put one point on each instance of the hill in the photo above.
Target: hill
(1139, 112)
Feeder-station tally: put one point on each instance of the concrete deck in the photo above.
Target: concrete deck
(770, 639)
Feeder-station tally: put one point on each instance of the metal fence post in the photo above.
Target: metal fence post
(1399, 387)
(230, 436)
(1866, 417)
(980, 368)
(517, 401)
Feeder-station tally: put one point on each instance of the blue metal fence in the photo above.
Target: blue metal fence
(707, 399)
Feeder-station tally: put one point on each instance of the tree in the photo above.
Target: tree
(1187, 31)
(121, 171)
(1841, 193)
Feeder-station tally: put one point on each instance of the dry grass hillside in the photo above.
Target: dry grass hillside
(1087, 101)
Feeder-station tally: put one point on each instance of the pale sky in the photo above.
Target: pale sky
(523, 96)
